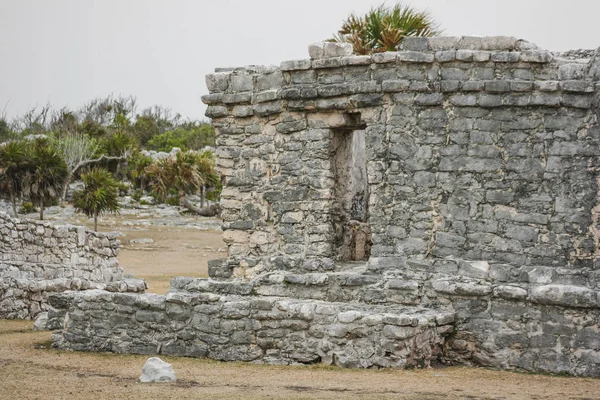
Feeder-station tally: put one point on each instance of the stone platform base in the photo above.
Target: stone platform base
(272, 330)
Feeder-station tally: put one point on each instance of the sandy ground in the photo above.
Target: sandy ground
(29, 369)
(174, 252)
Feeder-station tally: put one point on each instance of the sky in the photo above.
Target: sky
(67, 52)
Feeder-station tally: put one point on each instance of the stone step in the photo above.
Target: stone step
(195, 285)
(352, 284)
(274, 330)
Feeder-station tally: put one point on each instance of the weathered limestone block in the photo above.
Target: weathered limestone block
(565, 295)
(156, 370)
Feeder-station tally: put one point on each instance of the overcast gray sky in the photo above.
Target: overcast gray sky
(67, 52)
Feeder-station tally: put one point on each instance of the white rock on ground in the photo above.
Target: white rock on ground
(41, 322)
(156, 370)
(141, 241)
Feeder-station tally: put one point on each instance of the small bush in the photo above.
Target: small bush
(193, 136)
(172, 201)
(27, 208)
(137, 194)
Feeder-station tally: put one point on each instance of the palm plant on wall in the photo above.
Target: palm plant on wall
(383, 28)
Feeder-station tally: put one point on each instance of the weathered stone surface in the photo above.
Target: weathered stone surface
(41, 322)
(461, 288)
(565, 295)
(316, 50)
(510, 292)
(156, 370)
(263, 330)
(38, 259)
(334, 49)
(479, 184)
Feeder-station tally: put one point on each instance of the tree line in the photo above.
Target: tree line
(103, 143)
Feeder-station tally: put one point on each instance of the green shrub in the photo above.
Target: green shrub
(191, 137)
(137, 194)
(172, 200)
(383, 28)
(27, 208)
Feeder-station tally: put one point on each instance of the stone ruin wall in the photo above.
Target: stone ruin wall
(477, 149)
(482, 160)
(480, 209)
(38, 259)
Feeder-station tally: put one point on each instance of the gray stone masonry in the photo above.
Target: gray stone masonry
(38, 259)
(482, 195)
(259, 329)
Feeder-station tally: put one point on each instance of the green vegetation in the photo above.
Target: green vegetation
(13, 166)
(45, 175)
(100, 194)
(383, 28)
(102, 143)
(184, 174)
(192, 136)
(27, 208)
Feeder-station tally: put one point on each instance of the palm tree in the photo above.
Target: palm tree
(184, 173)
(13, 162)
(45, 175)
(383, 28)
(99, 195)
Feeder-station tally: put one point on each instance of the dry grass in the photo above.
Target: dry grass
(29, 369)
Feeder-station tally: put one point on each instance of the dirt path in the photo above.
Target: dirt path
(30, 370)
(162, 247)
(173, 252)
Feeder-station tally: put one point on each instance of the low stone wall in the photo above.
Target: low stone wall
(544, 327)
(259, 329)
(502, 326)
(38, 259)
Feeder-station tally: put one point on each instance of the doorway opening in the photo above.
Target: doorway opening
(351, 205)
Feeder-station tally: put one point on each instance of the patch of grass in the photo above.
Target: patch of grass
(16, 326)
(46, 344)
(27, 208)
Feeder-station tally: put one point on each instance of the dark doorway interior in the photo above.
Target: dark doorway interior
(351, 205)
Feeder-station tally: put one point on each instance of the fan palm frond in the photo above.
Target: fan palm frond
(99, 195)
(383, 28)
